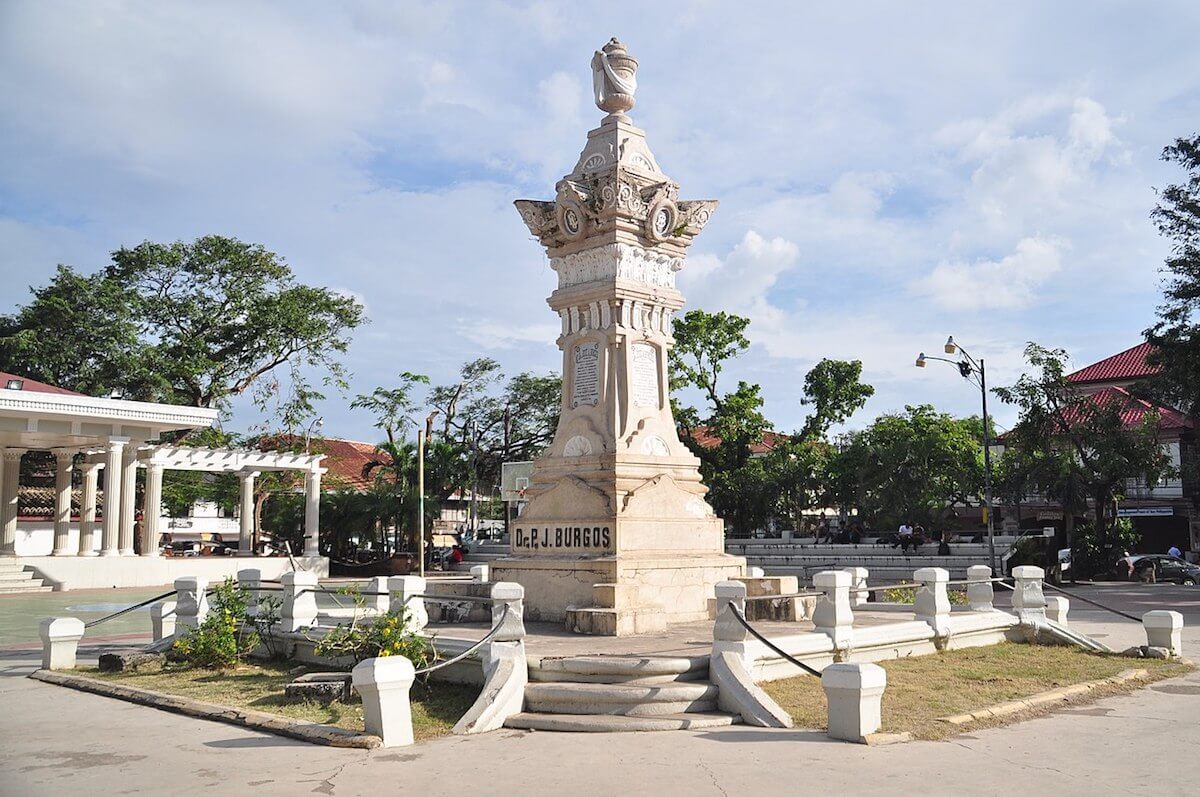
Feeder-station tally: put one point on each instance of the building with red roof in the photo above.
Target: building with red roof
(1166, 513)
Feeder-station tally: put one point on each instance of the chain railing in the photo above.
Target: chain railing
(741, 618)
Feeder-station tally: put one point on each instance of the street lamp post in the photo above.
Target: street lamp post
(968, 367)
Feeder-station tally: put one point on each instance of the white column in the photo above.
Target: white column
(128, 499)
(8, 500)
(312, 513)
(246, 513)
(152, 508)
(62, 503)
(112, 496)
(87, 510)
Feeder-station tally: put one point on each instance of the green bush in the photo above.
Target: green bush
(389, 635)
(909, 595)
(224, 637)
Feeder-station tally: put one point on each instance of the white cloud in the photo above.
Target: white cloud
(1011, 282)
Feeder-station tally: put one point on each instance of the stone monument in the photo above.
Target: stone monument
(616, 538)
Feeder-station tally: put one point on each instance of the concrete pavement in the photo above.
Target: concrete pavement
(57, 741)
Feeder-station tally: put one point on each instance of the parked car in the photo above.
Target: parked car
(1163, 566)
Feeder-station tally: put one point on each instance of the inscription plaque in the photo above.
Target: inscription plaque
(644, 375)
(585, 379)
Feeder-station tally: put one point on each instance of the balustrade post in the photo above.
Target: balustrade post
(299, 610)
(406, 594)
(191, 601)
(932, 601)
(833, 615)
(980, 592)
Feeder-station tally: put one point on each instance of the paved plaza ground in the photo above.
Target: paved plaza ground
(57, 741)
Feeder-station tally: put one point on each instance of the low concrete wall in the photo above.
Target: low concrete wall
(92, 572)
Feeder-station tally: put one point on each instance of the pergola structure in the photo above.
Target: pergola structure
(246, 463)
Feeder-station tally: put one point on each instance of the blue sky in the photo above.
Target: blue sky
(889, 173)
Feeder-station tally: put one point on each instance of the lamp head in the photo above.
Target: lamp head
(921, 360)
(951, 346)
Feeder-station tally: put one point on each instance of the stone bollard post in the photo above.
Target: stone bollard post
(191, 602)
(832, 614)
(479, 574)
(250, 580)
(162, 620)
(60, 642)
(1164, 629)
(384, 684)
(1056, 610)
(755, 572)
(932, 602)
(512, 595)
(786, 536)
(381, 601)
(1027, 596)
(858, 584)
(727, 628)
(980, 592)
(299, 610)
(505, 667)
(854, 693)
(406, 594)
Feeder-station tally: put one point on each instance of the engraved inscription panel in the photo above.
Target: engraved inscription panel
(644, 375)
(585, 378)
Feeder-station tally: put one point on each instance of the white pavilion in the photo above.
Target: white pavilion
(117, 437)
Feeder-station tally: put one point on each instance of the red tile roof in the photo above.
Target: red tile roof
(703, 435)
(34, 386)
(1129, 364)
(344, 462)
(1134, 410)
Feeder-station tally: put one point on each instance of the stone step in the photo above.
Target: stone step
(9, 565)
(38, 587)
(639, 700)
(616, 723)
(16, 576)
(550, 676)
(635, 666)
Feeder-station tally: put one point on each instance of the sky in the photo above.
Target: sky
(888, 173)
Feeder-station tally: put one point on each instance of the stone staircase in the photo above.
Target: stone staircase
(14, 578)
(600, 694)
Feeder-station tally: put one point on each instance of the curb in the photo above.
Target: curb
(247, 718)
(1044, 698)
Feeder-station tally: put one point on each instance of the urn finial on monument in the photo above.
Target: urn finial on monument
(614, 77)
(616, 536)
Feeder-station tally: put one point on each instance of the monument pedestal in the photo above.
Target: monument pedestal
(619, 596)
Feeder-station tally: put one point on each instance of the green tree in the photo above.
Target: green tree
(914, 466)
(191, 323)
(1176, 333)
(834, 390)
(1081, 444)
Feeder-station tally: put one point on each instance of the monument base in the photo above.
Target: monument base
(619, 595)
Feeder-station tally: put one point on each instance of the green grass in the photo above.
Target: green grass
(436, 706)
(922, 688)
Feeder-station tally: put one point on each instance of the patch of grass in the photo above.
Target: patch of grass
(436, 706)
(922, 688)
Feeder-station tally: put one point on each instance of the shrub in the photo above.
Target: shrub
(366, 638)
(224, 637)
(909, 595)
